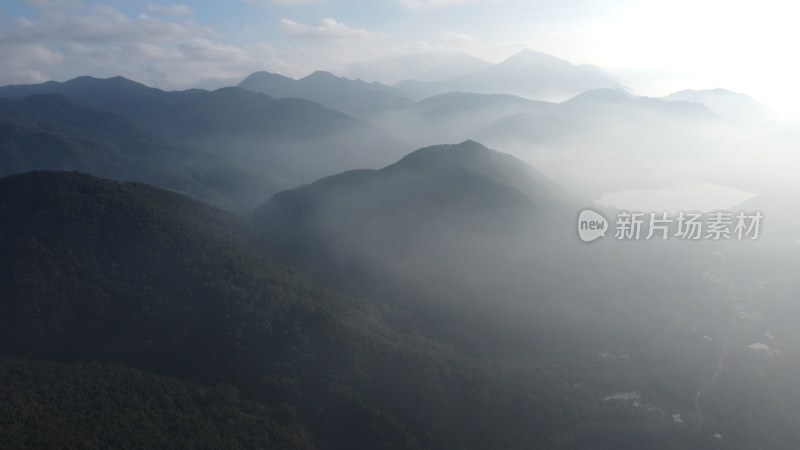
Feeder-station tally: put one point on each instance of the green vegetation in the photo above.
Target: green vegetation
(94, 406)
(130, 276)
(135, 317)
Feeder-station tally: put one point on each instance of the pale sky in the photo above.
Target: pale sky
(653, 47)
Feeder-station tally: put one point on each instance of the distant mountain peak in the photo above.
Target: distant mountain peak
(117, 81)
(723, 102)
(121, 79)
(719, 91)
(528, 58)
(601, 95)
(475, 158)
(528, 73)
(265, 74)
(322, 75)
(446, 152)
(327, 89)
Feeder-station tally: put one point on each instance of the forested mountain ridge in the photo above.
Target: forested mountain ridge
(129, 274)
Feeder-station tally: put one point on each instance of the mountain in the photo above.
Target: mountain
(129, 274)
(576, 141)
(481, 249)
(108, 95)
(454, 116)
(599, 103)
(286, 140)
(724, 103)
(454, 231)
(158, 312)
(50, 132)
(527, 74)
(531, 58)
(349, 96)
(152, 311)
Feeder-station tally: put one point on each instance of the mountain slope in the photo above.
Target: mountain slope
(49, 132)
(453, 231)
(90, 405)
(481, 249)
(126, 274)
(341, 94)
(129, 274)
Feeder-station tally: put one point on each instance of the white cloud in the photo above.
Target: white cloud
(174, 10)
(283, 2)
(176, 52)
(427, 4)
(59, 43)
(325, 29)
(28, 63)
(201, 49)
(458, 40)
(100, 23)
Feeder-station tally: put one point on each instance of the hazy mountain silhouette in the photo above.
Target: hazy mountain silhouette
(724, 103)
(50, 132)
(287, 139)
(617, 102)
(116, 94)
(455, 230)
(528, 73)
(349, 96)
(437, 201)
(453, 117)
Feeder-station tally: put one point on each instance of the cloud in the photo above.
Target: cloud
(174, 10)
(325, 29)
(283, 2)
(200, 49)
(428, 4)
(58, 42)
(164, 47)
(28, 63)
(100, 23)
(458, 40)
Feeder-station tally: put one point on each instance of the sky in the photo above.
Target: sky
(653, 47)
